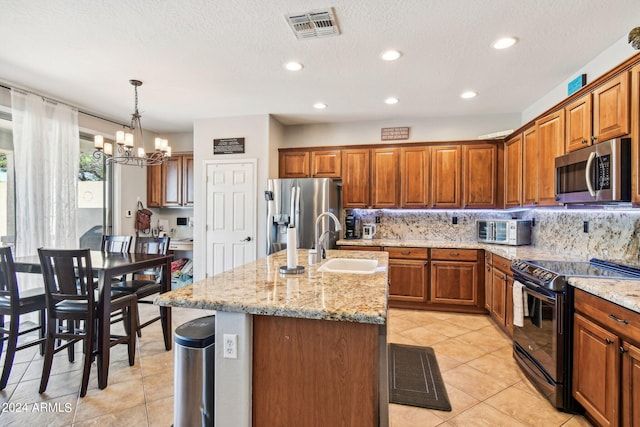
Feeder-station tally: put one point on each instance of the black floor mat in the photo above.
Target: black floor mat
(414, 378)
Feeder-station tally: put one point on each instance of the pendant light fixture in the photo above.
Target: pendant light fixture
(128, 148)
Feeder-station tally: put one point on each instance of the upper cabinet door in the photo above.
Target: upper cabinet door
(294, 164)
(578, 123)
(513, 172)
(530, 166)
(172, 182)
(611, 109)
(355, 178)
(445, 176)
(326, 164)
(385, 177)
(187, 180)
(550, 146)
(154, 186)
(480, 171)
(414, 170)
(635, 134)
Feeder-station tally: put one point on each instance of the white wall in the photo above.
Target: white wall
(421, 130)
(605, 61)
(256, 132)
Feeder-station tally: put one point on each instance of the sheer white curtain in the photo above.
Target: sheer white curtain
(47, 148)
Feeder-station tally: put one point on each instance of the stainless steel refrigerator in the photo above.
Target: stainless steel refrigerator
(299, 202)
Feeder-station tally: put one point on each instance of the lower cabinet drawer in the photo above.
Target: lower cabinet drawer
(455, 254)
(407, 253)
(618, 319)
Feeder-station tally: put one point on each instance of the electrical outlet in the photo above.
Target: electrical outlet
(454, 220)
(230, 346)
(377, 220)
(585, 226)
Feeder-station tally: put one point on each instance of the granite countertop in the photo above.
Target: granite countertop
(624, 292)
(259, 288)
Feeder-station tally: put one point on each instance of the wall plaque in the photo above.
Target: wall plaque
(228, 146)
(397, 133)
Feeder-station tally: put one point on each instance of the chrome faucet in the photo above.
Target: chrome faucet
(320, 254)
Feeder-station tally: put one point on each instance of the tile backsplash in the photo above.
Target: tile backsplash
(612, 234)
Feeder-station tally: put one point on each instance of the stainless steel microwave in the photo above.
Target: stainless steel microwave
(597, 174)
(513, 232)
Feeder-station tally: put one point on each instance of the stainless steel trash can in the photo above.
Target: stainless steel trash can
(193, 370)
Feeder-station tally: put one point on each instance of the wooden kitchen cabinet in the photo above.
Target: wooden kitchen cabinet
(550, 145)
(611, 109)
(326, 164)
(371, 178)
(513, 172)
(488, 279)
(606, 365)
(355, 178)
(154, 186)
(541, 145)
(300, 163)
(455, 282)
(408, 277)
(578, 123)
(385, 178)
(171, 184)
(501, 300)
(445, 176)
(635, 134)
(293, 164)
(414, 167)
(480, 174)
(530, 167)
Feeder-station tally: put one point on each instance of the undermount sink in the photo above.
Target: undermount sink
(349, 265)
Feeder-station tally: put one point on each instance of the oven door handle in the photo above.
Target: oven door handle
(536, 291)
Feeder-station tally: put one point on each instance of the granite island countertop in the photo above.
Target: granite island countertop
(624, 292)
(258, 287)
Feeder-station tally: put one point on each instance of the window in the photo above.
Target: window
(93, 194)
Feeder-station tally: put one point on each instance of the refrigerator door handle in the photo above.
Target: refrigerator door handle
(292, 207)
(297, 216)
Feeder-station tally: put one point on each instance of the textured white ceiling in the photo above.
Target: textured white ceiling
(205, 58)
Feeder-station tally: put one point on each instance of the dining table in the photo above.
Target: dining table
(108, 265)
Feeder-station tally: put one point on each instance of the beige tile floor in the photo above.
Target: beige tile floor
(483, 383)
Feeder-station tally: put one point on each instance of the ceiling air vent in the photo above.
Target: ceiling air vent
(313, 24)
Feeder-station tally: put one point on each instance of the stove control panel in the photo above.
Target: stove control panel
(537, 275)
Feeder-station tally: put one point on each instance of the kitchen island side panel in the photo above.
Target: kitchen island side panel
(314, 372)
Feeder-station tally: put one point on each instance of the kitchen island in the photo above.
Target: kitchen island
(311, 347)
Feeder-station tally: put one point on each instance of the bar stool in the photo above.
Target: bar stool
(14, 303)
(70, 298)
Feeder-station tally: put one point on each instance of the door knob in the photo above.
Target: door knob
(246, 239)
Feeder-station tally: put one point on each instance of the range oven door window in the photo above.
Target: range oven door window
(539, 336)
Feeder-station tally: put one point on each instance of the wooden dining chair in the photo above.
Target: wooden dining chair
(71, 298)
(149, 282)
(14, 303)
(116, 244)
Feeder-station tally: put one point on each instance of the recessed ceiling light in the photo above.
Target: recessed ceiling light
(391, 100)
(293, 66)
(468, 94)
(504, 42)
(320, 105)
(390, 55)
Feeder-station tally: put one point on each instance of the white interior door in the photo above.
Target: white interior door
(231, 215)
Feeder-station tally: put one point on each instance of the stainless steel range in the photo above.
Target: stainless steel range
(542, 345)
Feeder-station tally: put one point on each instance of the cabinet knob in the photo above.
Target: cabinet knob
(608, 341)
(622, 350)
(405, 252)
(594, 139)
(454, 253)
(584, 141)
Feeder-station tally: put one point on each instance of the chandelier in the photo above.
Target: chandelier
(129, 146)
